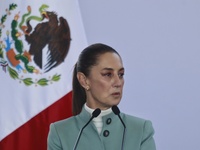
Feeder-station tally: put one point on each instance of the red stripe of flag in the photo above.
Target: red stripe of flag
(33, 134)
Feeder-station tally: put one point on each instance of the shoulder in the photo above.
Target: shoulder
(133, 119)
(60, 131)
(64, 127)
(64, 121)
(69, 122)
(137, 123)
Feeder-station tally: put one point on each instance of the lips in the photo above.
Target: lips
(116, 94)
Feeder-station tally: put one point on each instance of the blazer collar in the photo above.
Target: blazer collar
(85, 116)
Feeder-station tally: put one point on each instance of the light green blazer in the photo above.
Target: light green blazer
(139, 133)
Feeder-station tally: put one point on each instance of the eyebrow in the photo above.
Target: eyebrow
(111, 69)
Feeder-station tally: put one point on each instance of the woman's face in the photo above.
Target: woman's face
(105, 82)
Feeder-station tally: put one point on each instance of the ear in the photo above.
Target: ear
(82, 80)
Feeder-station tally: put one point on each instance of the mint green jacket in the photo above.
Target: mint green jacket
(138, 136)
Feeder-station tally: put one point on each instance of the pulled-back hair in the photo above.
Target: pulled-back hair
(87, 59)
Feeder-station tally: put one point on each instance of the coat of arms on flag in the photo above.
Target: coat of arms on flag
(25, 38)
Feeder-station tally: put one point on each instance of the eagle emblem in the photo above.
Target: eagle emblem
(33, 44)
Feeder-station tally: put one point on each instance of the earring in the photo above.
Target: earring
(87, 88)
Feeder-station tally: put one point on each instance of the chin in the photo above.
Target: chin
(116, 102)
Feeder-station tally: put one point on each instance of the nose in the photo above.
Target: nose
(117, 81)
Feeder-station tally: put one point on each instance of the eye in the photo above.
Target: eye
(107, 74)
(121, 75)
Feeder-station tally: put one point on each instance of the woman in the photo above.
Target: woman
(98, 83)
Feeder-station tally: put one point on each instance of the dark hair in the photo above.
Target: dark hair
(88, 58)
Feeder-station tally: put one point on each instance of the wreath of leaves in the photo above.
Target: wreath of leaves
(3, 18)
(29, 81)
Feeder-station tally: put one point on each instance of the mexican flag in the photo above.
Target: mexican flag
(39, 44)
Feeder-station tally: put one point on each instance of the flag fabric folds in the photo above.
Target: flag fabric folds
(39, 44)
